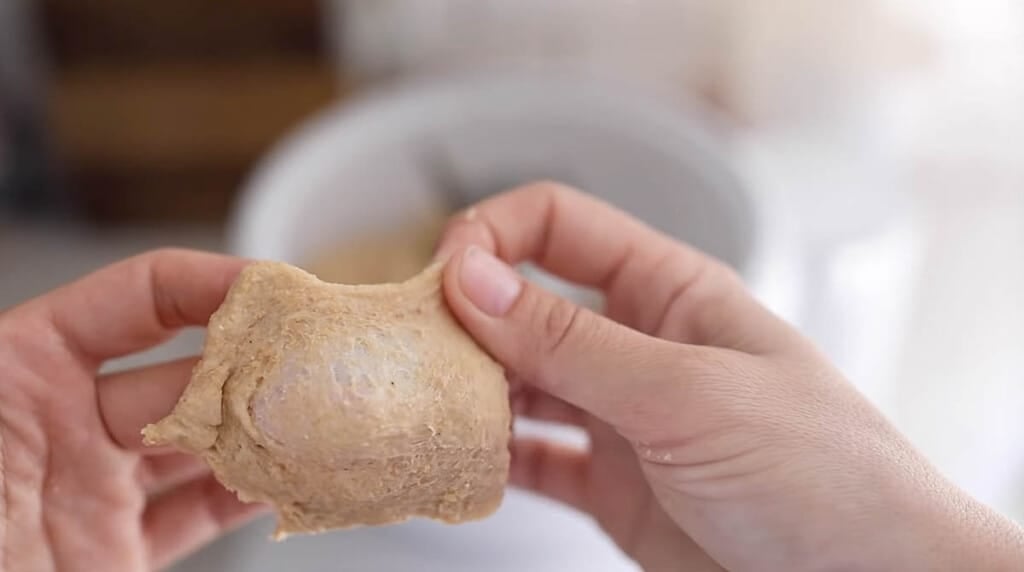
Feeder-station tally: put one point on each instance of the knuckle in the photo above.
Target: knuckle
(561, 322)
(551, 190)
(163, 253)
(469, 227)
(693, 312)
(726, 275)
(458, 221)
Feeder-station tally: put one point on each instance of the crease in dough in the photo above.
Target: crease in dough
(345, 405)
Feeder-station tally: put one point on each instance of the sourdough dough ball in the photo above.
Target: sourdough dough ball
(345, 405)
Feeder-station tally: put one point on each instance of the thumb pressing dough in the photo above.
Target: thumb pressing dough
(345, 405)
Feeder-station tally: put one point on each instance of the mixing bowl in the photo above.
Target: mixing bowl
(365, 165)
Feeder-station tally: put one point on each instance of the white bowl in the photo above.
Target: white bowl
(355, 168)
(358, 166)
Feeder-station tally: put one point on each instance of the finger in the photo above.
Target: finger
(657, 285)
(130, 400)
(535, 404)
(554, 471)
(141, 301)
(622, 376)
(158, 474)
(191, 516)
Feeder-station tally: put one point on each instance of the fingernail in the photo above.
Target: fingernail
(489, 283)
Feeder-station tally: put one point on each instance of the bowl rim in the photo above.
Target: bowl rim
(255, 221)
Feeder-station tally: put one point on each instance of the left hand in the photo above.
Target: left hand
(79, 490)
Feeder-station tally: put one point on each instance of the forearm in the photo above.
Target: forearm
(947, 529)
(978, 538)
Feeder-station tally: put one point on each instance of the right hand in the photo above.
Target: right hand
(719, 437)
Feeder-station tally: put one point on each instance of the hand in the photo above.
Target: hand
(719, 438)
(79, 490)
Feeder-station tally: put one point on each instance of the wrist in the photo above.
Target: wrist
(946, 529)
(975, 537)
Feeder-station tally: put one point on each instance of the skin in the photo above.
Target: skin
(720, 439)
(79, 490)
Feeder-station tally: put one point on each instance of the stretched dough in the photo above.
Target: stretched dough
(345, 405)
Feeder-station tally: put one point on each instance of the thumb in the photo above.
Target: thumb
(622, 376)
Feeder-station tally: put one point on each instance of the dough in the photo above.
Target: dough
(345, 405)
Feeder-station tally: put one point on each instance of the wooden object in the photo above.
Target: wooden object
(159, 110)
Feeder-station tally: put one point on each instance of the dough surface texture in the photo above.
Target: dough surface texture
(345, 405)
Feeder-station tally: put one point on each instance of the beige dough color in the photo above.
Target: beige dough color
(345, 405)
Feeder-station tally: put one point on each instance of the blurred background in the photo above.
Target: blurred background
(860, 161)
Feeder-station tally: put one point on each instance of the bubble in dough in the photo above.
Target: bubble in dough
(345, 405)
